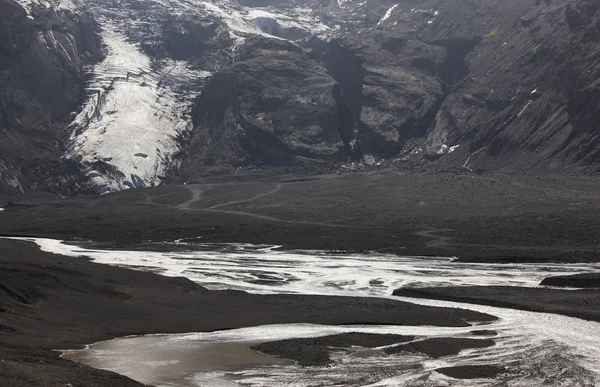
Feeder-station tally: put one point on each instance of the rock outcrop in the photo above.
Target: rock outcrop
(272, 106)
(529, 95)
(42, 59)
(496, 85)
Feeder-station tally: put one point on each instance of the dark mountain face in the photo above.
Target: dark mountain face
(529, 93)
(272, 105)
(497, 85)
(41, 84)
(189, 90)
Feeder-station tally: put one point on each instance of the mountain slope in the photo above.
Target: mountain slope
(529, 97)
(190, 88)
(483, 84)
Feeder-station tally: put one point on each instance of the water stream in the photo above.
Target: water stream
(538, 349)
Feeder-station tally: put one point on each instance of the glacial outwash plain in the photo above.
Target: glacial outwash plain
(299, 193)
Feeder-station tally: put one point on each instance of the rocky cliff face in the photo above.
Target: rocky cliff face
(188, 88)
(270, 106)
(42, 57)
(496, 85)
(530, 91)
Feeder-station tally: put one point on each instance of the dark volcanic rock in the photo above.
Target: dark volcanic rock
(273, 105)
(343, 99)
(497, 85)
(527, 100)
(42, 78)
(472, 371)
(186, 39)
(391, 87)
(586, 280)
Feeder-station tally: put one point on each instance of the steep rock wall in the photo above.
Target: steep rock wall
(42, 59)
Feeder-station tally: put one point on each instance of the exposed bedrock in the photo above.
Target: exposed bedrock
(185, 38)
(326, 101)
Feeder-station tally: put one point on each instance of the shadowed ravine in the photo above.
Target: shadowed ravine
(535, 348)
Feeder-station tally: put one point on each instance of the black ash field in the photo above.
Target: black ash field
(52, 301)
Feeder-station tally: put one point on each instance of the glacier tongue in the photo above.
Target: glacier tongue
(131, 118)
(139, 102)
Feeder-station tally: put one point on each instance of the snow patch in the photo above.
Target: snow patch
(300, 18)
(387, 14)
(242, 23)
(467, 164)
(445, 149)
(341, 2)
(525, 108)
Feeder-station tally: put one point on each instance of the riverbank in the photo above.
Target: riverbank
(51, 301)
(583, 280)
(583, 303)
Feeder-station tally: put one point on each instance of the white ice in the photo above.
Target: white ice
(242, 22)
(130, 119)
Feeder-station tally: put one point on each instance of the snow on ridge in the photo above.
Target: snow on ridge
(244, 22)
(300, 18)
(237, 26)
(70, 5)
(341, 2)
(130, 120)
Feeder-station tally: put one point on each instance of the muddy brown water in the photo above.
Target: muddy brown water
(163, 360)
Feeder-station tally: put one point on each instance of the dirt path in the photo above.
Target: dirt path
(150, 199)
(435, 240)
(278, 186)
(274, 219)
(196, 192)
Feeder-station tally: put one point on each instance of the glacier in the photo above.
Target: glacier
(138, 103)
